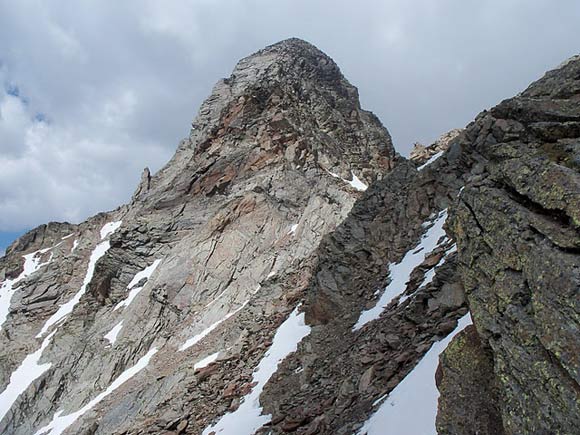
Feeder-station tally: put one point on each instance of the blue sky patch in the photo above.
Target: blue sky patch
(7, 237)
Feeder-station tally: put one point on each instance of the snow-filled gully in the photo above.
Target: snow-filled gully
(248, 417)
(30, 369)
(400, 273)
(61, 422)
(67, 308)
(23, 376)
(411, 408)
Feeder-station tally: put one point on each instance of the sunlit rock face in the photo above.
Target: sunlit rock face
(210, 256)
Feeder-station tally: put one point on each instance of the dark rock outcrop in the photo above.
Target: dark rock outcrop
(517, 226)
(469, 402)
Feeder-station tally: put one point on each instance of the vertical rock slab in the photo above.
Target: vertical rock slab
(517, 226)
(469, 392)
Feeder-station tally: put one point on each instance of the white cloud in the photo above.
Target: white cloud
(65, 171)
(106, 88)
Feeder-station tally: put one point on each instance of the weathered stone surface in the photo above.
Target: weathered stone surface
(517, 228)
(348, 370)
(421, 154)
(235, 218)
(469, 401)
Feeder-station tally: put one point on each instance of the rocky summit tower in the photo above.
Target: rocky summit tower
(288, 272)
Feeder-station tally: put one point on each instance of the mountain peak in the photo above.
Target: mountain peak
(289, 50)
(290, 60)
(295, 55)
(250, 287)
(289, 45)
(288, 107)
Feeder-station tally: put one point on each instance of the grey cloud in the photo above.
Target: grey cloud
(119, 82)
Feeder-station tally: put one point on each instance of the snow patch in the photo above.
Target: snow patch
(113, 333)
(66, 237)
(411, 408)
(431, 160)
(31, 264)
(293, 229)
(197, 338)
(21, 378)
(206, 361)
(430, 274)
(248, 417)
(355, 182)
(400, 273)
(61, 422)
(109, 229)
(67, 308)
(134, 291)
(74, 246)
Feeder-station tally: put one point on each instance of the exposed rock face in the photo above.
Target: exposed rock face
(469, 402)
(276, 159)
(254, 284)
(517, 226)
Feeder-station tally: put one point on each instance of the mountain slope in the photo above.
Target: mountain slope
(255, 285)
(276, 158)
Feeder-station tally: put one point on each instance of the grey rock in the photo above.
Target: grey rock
(518, 232)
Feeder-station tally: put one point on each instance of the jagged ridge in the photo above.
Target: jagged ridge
(258, 224)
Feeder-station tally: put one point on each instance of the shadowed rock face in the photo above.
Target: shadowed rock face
(469, 401)
(152, 318)
(517, 226)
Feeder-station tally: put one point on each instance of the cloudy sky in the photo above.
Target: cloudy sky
(93, 91)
